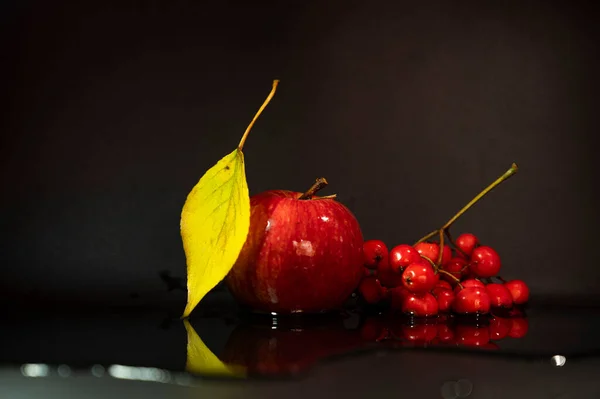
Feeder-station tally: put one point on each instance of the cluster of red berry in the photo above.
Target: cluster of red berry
(419, 281)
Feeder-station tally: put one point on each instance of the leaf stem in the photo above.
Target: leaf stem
(260, 110)
(319, 184)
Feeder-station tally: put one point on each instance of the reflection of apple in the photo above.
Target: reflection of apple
(303, 253)
(277, 348)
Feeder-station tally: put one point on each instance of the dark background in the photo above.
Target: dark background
(114, 109)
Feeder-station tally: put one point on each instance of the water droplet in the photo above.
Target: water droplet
(558, 360)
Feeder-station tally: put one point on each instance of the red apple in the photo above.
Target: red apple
(301, 255)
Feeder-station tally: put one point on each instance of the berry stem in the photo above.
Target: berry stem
(451, 241)
(501, 279)
(319, 184)
(433, 264)
(457, 280)
(427, 237)
(260, 110)
(441, 251)
(513, 169)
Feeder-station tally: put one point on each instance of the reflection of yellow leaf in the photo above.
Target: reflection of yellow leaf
(200, 359)
(215, 220)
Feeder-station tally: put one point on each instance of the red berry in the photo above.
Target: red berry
(443, 284)
(386, 276)
(419, 278)
(485, 262)
(472, 282)
(401, 256)
(421, 333)
(456, 266)
(469, 335)
(397, 295)
(373, 252)
(432, 251)
(499, 328)
(444, 297)
(368, 272)
(371, 290)
(500, 296)
(518, 290)
(519, 327)
(471, 300)
(466, 242)
(420, 305)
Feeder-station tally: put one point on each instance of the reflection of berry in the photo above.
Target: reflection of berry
(499, 328)
(519, 327)
(470, 335)
(445, 333)
(421, 333)
(373, 329)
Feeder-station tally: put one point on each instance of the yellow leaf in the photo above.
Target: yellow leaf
(215, 221)
(214, 225)
(201, 360)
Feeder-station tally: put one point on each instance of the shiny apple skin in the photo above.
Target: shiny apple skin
(299, 256)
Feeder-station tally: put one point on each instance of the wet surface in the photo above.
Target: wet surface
(221, 342)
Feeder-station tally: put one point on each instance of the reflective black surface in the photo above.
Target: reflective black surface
(545, 350)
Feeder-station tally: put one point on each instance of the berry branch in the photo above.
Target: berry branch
(510, 172)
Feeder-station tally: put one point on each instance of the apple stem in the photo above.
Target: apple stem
(513, 169)
(260, 110)
(318, 185)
